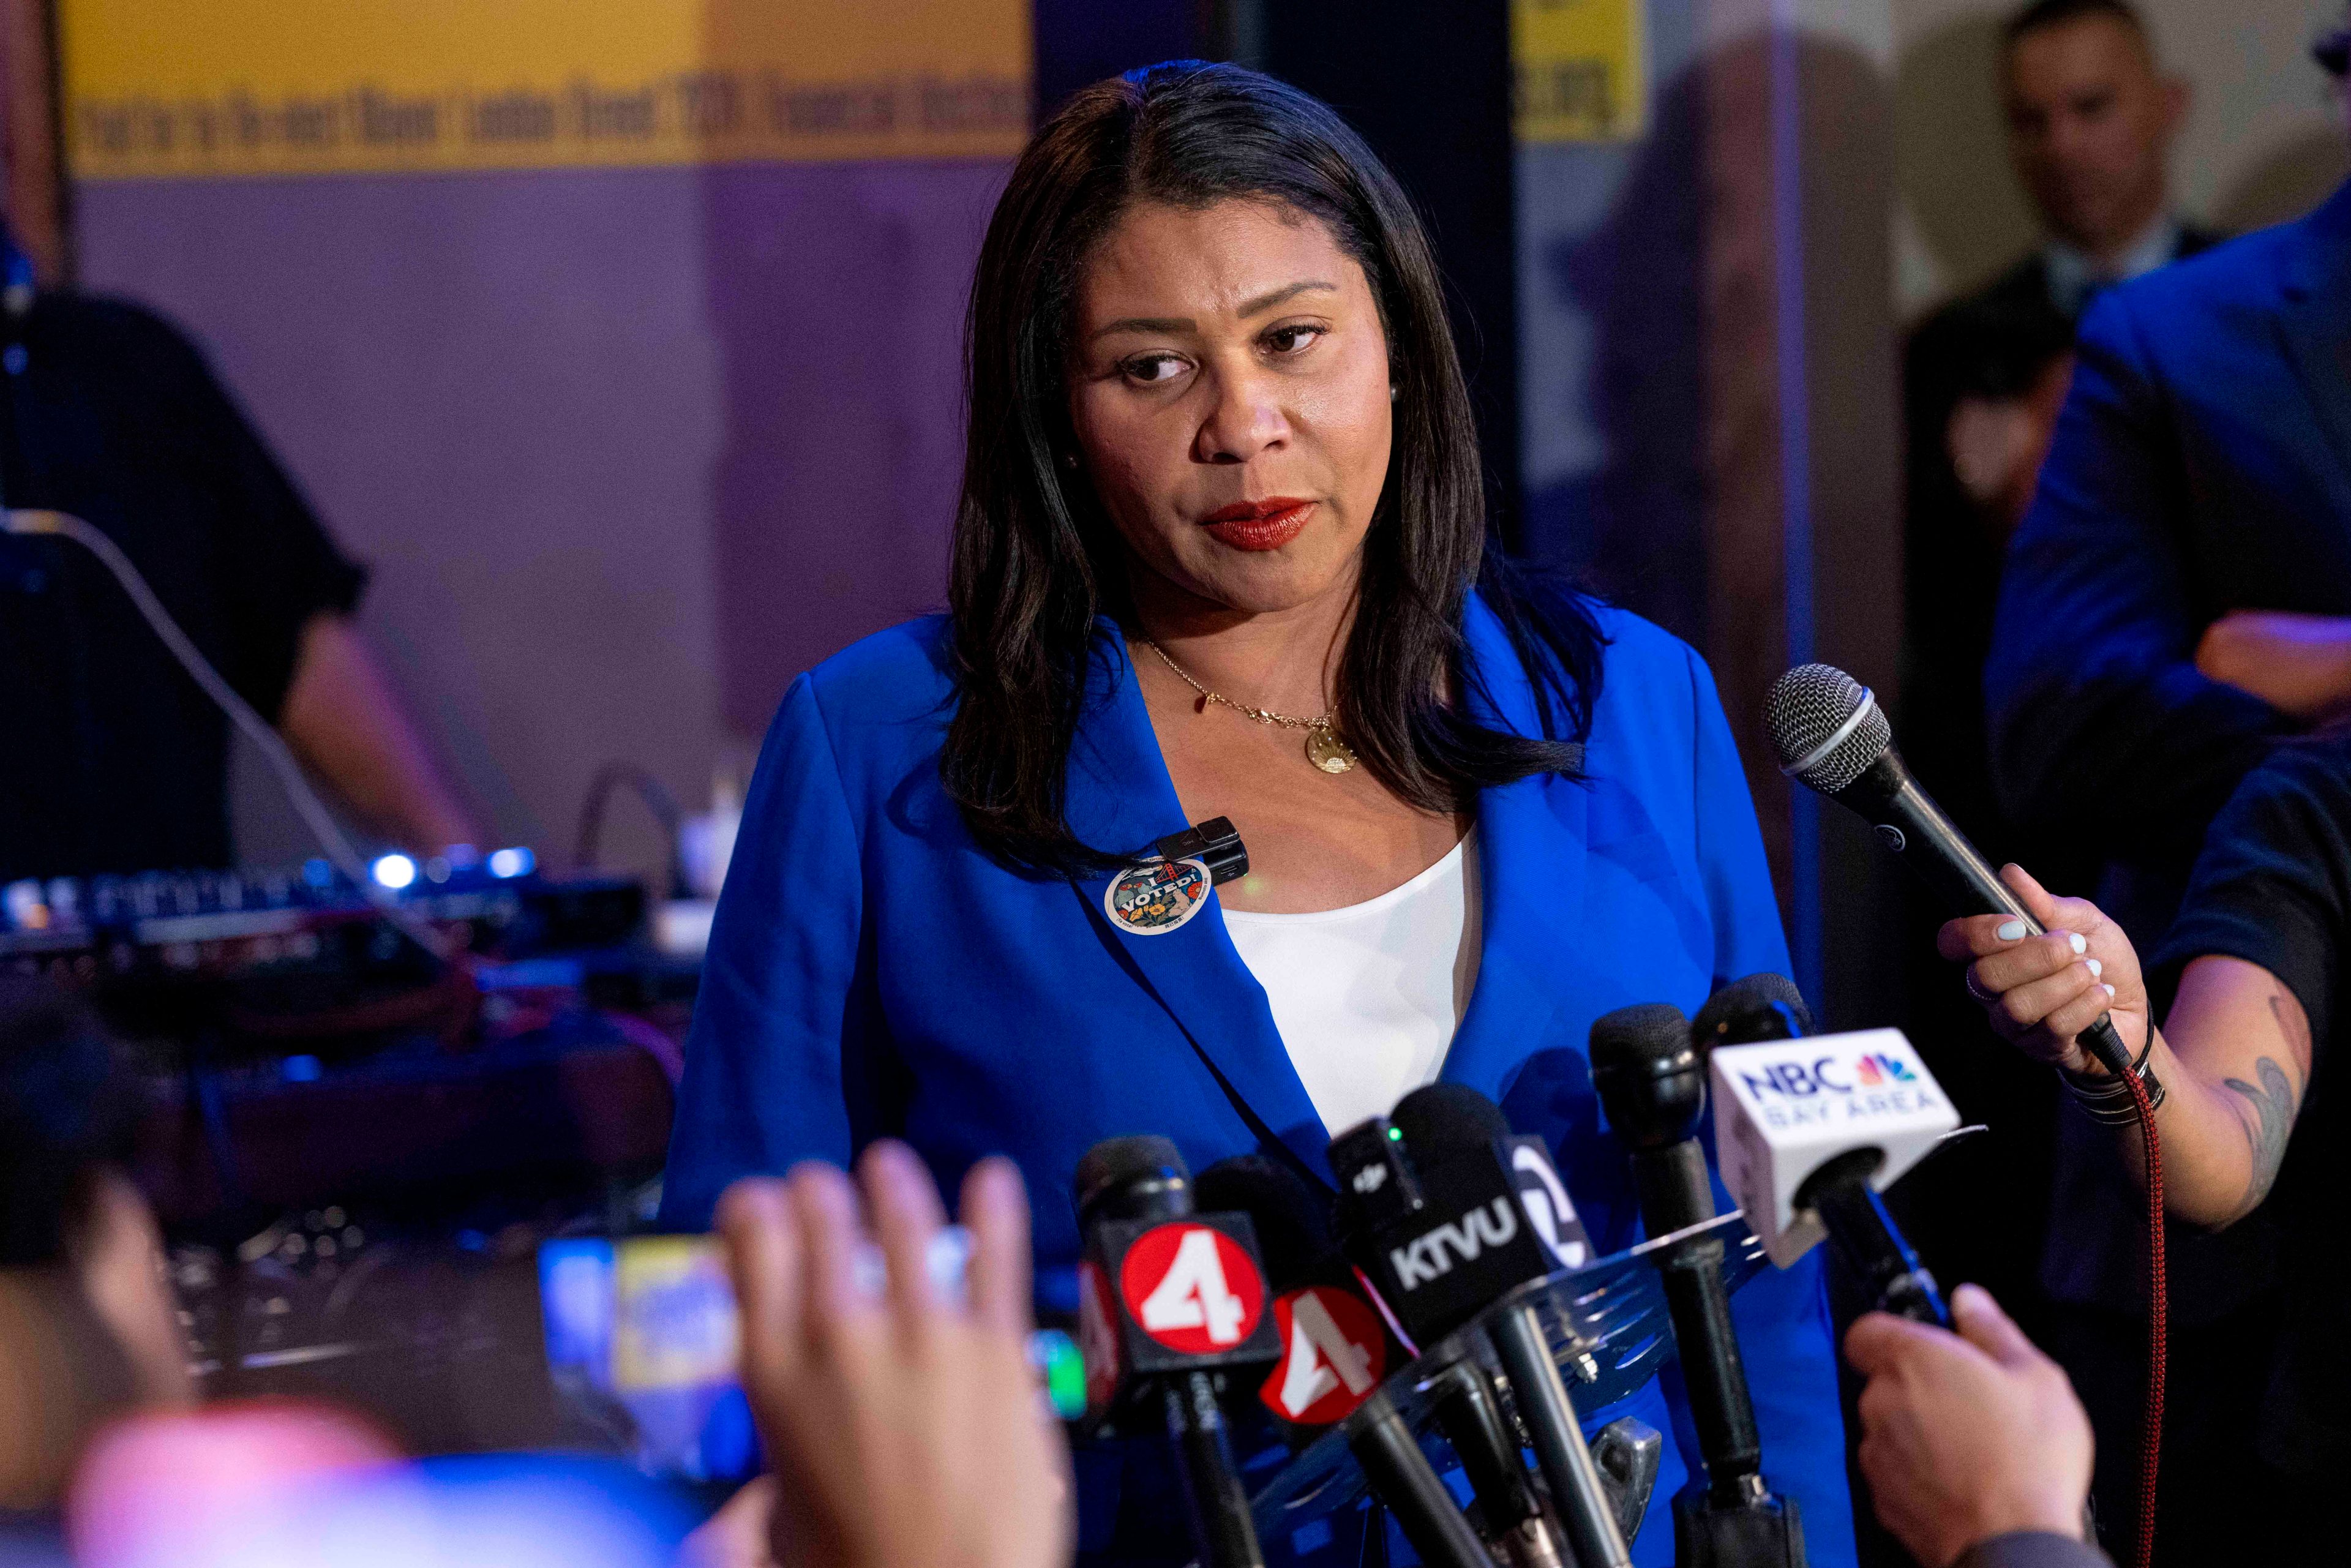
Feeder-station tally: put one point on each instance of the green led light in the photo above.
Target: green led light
(1056, 1355)
(1396, 1135)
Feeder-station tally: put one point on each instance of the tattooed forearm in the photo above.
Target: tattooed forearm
(2267, 1130)
(2295, 1025)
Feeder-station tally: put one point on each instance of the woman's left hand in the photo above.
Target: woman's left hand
(2041, 992)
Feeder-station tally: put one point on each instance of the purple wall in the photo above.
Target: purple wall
(626, 449)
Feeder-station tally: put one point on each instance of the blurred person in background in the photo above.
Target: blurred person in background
(2176, 604)
(2091, 117)
(111, 759)
(87, 1326)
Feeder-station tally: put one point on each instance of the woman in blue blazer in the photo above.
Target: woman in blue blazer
(1220, 443)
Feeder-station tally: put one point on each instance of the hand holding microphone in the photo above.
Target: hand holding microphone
(2041, 991)
(1967, 1435)
(1831, 736)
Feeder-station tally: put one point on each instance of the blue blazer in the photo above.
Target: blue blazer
(2203, 463)
(872, 973)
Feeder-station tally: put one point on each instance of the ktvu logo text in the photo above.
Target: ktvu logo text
(1794, 1092)
(1423, 1259)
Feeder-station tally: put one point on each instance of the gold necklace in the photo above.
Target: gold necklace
(1323, 747)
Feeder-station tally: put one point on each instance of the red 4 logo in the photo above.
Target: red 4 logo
(1333, 1353)
(1192, 1288)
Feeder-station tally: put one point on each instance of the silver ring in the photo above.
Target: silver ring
(1968, 979)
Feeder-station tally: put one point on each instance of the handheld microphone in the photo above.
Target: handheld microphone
(1652, 1083)
(1832, 737)
(1168, 1298)
(1334, 1352)
(1808, 1132)
(1440, 1227)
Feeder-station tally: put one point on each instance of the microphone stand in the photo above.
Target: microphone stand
(1652, 1083)
(1221, 1521)
(1470, 1416)
(1548, 1415)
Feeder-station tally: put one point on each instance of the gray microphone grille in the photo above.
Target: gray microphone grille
(1826, 726)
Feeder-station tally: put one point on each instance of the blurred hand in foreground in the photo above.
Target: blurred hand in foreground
(1967, 1435)
(905, 1431)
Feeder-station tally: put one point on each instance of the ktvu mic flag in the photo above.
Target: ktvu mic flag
(1785, 1108)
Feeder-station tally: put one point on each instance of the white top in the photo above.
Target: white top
(1367, 998)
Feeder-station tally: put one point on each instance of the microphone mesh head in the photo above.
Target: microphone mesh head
(1117, 1162)
(1747, 1011)
(1293, 1226)
(1438, 1117)
(1814, 705)
(1633, 1039)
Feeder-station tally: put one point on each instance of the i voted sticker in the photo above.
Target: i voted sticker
(1157, 896)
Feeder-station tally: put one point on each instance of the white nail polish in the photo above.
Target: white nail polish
(2012, 931)
(2081, 943)
(2109, 990)
(2097, 968)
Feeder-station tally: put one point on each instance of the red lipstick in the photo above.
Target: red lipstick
(1262, 524)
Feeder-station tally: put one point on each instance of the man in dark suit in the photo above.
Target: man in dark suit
(2091, 118)
(2177, 601)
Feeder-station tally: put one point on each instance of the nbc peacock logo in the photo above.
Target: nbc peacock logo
(1877, 1070)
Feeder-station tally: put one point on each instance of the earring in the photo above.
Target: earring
(1392, 391)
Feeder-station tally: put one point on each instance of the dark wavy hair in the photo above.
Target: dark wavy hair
(1035, 560)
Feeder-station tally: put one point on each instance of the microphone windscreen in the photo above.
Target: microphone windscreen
(1293, 1226)
(1439, 1116)
(1825, 727)
(1632, 1039)
(1117, 1162)
(1751, 1009)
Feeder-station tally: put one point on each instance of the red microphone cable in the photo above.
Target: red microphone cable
(2158, 1317)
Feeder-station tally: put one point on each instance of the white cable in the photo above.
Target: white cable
(328, 832)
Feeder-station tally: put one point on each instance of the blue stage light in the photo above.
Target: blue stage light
(394, 872)
(512, 862)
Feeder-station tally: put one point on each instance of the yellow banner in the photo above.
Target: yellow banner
(1580, 70)
(177, 88)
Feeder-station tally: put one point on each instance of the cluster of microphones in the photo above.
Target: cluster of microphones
(1426, 1296)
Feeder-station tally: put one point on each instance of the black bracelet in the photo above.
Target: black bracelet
(2107, 1098)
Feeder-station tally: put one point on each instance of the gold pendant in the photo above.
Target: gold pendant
(1327, 751)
